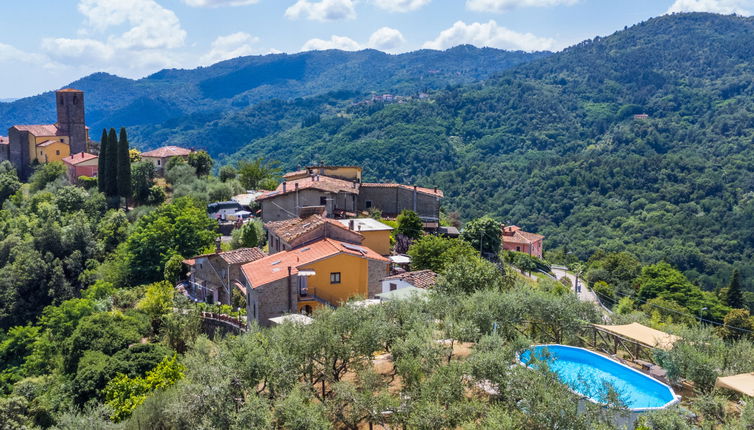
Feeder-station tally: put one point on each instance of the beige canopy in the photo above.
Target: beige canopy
(743, 383)
(642, 334)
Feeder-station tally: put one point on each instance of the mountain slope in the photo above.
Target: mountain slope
(553, 145)
(162, 106)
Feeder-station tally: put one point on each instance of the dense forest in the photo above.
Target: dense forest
(189, 107)
(553, 145)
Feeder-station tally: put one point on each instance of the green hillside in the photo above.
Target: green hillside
(188, 107)
(554, 147)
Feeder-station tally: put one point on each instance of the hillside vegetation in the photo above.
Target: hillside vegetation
(188, 107)
(553, 145)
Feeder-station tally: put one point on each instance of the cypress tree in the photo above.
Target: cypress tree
(111, 181)
(102, 162)
(124, 166)
(735, 297)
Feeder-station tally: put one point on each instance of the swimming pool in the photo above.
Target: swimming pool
(589, 374)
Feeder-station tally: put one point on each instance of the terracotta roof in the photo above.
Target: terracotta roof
(3, 140)
(167, 151)
(236, 256)
(275, 267)
(296, 173)
(69, 90)
(519, 236)
(322, 183)
(419, 279)
(79, 158)
(291, 229)
(47, 143)
(39, 129)
(431, 191)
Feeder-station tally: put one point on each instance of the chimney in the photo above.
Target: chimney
(218, 245)
(350, 225)
(435, 190)
(284, 186)
(296, 184)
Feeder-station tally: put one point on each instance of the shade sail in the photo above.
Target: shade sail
(642, 334)
(743, 383)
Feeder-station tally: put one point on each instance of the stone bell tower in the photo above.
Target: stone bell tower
(70, 106)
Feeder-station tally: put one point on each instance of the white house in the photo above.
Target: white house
(419, 279)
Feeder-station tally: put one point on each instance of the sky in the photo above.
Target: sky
(45, 44)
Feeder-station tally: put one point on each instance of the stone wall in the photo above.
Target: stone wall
(19, 152)
(378, 270)
(393, 200)
(271, 300)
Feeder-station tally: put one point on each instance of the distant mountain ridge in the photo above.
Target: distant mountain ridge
(187, 99)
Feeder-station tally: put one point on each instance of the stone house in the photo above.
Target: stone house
(392, 199)
(159, 157)
(337, 197)
(515, 239)
(296, 232)
(324, 273)
(340, 193)
(212, 277)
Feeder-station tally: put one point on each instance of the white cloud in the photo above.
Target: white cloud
(488, 34)
(230, 46)
(219, 3)
(499, 6)
(152, 26)
(335, 42)
(386, 39)
(400, 5)
(324, 10)
(716, 6)
(88, 51)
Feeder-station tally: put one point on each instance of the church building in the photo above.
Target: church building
(37, 144)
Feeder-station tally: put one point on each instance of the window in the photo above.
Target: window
(393, 286)
(158, 162)
(335, 277)
(518, 249)
(323, 201)
(57, 152)
(369, 204)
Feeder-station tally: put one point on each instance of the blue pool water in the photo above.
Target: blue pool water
(590, 375)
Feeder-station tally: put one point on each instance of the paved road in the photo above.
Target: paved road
(585, 294)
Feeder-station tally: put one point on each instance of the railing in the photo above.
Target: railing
(237, 323)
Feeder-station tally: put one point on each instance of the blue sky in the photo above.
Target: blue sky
(45, 44)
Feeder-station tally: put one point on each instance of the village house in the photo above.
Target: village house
(296, 232)
(324, 273)
(32, 144)
(81, 164)
(212, 277)
(515, 239)
(376, 234)
(419, 279)
(159, 157)
(336, 197)
(340, 193)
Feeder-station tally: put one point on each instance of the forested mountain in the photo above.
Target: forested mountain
(190, 107)
(553, 145)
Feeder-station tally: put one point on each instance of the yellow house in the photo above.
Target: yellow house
(52, 149)
(376, 234)
(326, 272)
